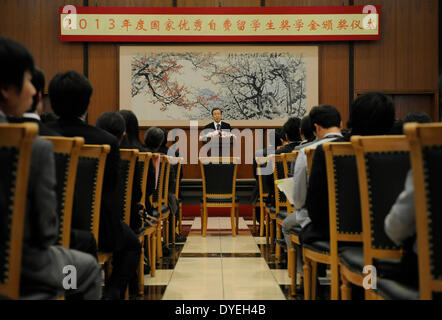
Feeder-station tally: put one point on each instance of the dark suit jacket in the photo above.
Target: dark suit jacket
(224, 126)
(317, 200)
(288, 148)
(43, 129)
(110, 226)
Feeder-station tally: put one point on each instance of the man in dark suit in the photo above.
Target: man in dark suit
(217, 124)
(33, 114)
(291, 130)
(70, 94)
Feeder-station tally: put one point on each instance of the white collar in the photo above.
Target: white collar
(31, 115)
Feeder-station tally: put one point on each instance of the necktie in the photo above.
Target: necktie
(218, 126)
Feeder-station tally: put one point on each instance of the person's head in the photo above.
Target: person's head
(417, 116)
(306, 130)
(371, 114)
(325, 119)
(132, 128)
(291, 129)
(154, 138)
(16, 68)
(163, 144)
(279, 137)
(70, 93)
(112, 122)
(38, 81)
(217, 114)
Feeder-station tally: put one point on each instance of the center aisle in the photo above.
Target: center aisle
(221, 267)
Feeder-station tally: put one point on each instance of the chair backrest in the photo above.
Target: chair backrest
(309, 153)
(67, 152)
(383, 163)
(175, 174)
(125, 182)
(143, 160)
(426, 161)
(88, 187)
(264, 189)
(165, 181)
(219, 176)
(15, 159)
(156, 197)
(287, 162)
(343, 194)
(280, 172)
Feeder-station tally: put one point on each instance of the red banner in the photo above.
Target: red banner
(233, 24)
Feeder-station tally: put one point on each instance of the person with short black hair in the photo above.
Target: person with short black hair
(217, 124)
(417, 116)
(132, 138)
(42, 261)
(70, 93)
(291, 132)
(306, 131)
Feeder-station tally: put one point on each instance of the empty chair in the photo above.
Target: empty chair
(219, 188)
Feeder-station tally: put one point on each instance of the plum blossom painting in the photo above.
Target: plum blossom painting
(175, 84)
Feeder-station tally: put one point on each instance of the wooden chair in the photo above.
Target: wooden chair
(294, 233)
(15, 159)
(264, 192)
(149, 238)
(288, 158)
(426, 161)
(383, 163)
(282, 206)
(177, 194)
(345, 215)
(66, 152)
(174, 181)
(160, 201)
(219, 188)
(88, 187)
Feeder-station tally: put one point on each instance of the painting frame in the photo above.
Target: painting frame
(309, 52)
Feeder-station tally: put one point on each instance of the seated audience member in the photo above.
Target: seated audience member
(70, 94)
(42, 261)
(400, 223)
(417, 116)
(291, 131)
(33, 114)
(327, 124)
(306, 131)
(47, 117)
(370, 114)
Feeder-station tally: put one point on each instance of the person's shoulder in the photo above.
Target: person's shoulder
(209, 125)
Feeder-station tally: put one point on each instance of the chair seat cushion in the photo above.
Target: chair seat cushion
(164, 209)
(282, 214)
(296, 230)
(220, 200)
(393, 290)
(318, 246)
(352, 258)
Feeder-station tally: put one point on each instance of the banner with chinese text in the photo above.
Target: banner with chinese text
(146, 24)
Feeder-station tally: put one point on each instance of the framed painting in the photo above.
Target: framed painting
(254, 85)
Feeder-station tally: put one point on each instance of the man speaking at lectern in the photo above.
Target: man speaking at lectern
(217, 124)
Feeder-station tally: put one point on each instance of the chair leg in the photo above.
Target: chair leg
(204, 222)
(345, 288)
(272, 233)
(307, 279)
(172, 229)
(277, 246)
(159, 248)
(237, 217)
(232, 220)
(180, 225)
(141, 271)
(291, 257)
(314, 278)
(261, 223)
(153, 251)
(267, 228)
(334, 281)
